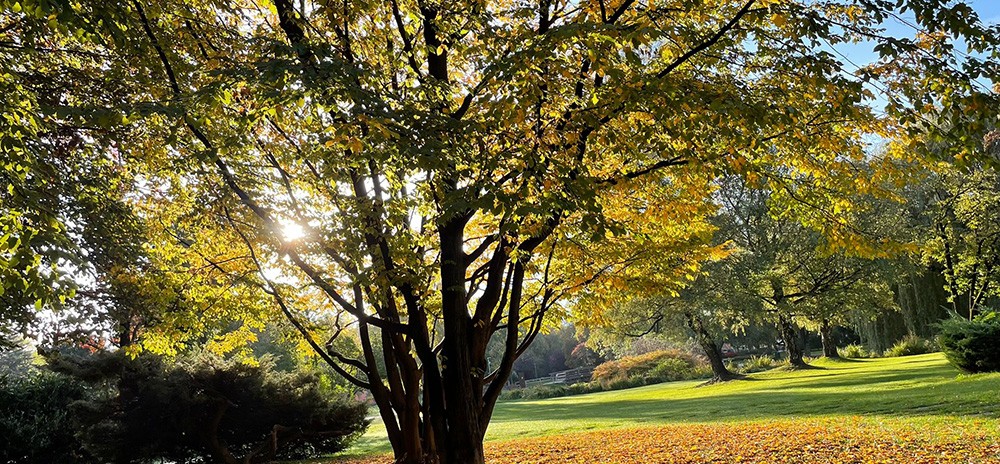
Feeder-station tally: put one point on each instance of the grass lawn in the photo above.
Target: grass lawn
(920, 397)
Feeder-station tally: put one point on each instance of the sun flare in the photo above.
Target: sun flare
(291, 231)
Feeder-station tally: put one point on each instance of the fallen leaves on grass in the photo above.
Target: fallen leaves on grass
(844, 440)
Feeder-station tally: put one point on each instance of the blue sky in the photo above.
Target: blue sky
(861, 54)
(989, 10)
(856, 55)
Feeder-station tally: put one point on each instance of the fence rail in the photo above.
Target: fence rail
(569, 377)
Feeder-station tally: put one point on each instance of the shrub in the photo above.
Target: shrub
(910, 345)
(854, 351)
(662, 364)
(672, 369)
(550, 391)
(972, 346)
(629, 382)
(544, 391)
(200, 409)
(583, 388)
(512, 394)
(758, 363)
(34, 418)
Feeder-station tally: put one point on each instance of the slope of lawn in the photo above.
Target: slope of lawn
(915, 396)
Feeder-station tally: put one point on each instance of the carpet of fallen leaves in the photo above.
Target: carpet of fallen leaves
(844, 440)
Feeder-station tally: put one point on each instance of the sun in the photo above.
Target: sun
(291, 231)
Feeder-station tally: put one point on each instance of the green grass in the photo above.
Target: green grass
(923, 390)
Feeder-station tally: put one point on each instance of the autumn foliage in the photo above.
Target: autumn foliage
(661, 363)
(840, 440)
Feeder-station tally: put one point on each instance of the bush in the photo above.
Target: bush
(511, 394)
(758, 363)
(198, 410)
(35, 424)
(583, 388)
(621, 384)
(972, 346)
(910, 345)
(544, 391)
(663, 364)
(550, 391)
(671, 369)
(854, 351)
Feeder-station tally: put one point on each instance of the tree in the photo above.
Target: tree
(842, 307)
(648, 277)
(961, 210)
(693, 313)
(33, 239)
(782, 270)
(419, 169)
(549, 353)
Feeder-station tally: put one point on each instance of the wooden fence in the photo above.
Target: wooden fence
(569, 377)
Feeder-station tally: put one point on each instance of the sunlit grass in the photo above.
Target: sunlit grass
(914, 391)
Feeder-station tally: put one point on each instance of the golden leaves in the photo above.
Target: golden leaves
(842, 440)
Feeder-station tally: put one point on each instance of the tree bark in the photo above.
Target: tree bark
(210, 434)
(461, 372)
(790, 336)
(719, 371)
(826, 335)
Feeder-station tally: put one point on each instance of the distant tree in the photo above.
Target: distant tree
(782, 270)
(844, 306)
(583, 356)
(960, 208)
(548, 353)
(691, 315)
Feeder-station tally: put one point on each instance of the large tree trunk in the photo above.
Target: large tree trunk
(461, 371)
(719, 371)
(826, 335)
(790, 336)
